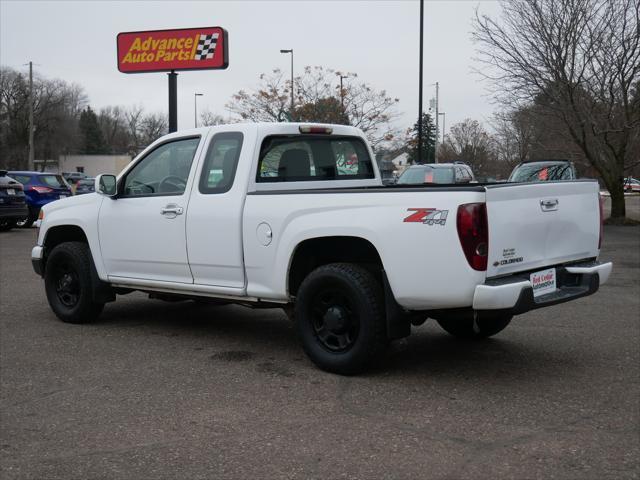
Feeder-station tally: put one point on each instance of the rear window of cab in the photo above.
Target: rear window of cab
(302, 158)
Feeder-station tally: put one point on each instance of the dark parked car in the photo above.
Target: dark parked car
(543, 171)
(86, 185)
(40, 188)
(13, 206)
(437, 173)
(73, 177)
(631, 184)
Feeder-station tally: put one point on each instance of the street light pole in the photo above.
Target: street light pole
(195, 108)
(31, 149)
(291, 52)
(420, 83)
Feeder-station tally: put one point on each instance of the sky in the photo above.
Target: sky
(377, 39)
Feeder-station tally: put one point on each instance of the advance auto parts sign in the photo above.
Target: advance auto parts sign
(165, 50)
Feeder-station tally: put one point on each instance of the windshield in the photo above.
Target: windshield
(420, 175)
(541, 172)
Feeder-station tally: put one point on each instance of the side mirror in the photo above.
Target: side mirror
(106, 185)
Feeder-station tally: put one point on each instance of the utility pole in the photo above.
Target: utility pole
(444, 117)
(420, 83)
(342, 93)
(195, 108)
(435, 153)
(31, 127)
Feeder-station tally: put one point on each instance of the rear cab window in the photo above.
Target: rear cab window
(304, 158)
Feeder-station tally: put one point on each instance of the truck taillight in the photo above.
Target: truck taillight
(315, 129)
(42, 189)
(601, 203)
(474, 234)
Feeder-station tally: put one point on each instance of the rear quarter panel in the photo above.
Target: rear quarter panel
(424, 263)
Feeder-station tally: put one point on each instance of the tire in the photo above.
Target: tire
(340, 319)
(473, 326)
(68, 283)
(6, 225)
(26, 222)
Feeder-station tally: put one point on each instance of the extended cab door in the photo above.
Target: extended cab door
(214, 219)
(142, 231)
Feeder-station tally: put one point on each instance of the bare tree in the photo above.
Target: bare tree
(209, 118)
(318, 98)
(153, 126)
(469, 142)
(513, 137)
(580, 60)
(57, 107)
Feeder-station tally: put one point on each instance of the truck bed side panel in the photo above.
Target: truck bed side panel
(423, 261)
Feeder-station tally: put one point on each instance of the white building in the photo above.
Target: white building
(93, 165)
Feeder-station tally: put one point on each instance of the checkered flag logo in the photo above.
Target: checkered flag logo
(206, 46)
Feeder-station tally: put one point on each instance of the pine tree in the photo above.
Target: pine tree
(428, 141)
(92, 141)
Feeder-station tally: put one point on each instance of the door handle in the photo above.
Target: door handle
(549, 205)
(172, 210)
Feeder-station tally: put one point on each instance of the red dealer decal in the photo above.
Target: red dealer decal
(166, 50)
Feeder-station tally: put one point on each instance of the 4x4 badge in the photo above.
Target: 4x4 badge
(428, 216)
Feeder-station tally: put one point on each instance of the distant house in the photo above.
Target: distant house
(401, 161)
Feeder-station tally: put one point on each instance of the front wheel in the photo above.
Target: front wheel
(474, 326)
(339, 315)
(68, 283)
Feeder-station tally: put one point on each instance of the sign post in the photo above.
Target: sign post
(171, 50)
(173, 101)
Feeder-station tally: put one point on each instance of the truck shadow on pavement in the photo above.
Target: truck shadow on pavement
(242, 335)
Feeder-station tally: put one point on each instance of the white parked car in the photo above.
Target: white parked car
(296, 216)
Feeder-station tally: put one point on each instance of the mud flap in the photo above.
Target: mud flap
(398, 320)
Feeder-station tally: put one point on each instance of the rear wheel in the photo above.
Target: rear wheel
(475, 326)
(68, 283)
(339, 315)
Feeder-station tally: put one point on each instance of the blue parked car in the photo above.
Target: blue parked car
(40, 188)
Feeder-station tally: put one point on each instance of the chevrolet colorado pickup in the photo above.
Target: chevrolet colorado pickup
(295, 216)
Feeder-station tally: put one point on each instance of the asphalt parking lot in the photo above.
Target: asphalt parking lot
(176, 390)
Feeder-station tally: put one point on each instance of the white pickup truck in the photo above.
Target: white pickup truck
(295, 216)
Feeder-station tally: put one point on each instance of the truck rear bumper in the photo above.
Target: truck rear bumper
(515, 292)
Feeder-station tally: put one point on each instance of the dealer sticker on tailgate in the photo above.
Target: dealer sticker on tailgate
(543, 282)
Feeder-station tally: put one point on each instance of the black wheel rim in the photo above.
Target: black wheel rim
(67, 285)
(335, 320)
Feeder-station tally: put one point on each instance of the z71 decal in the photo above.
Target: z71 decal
(428, 216)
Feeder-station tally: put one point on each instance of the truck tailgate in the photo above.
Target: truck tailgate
(539, 224)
